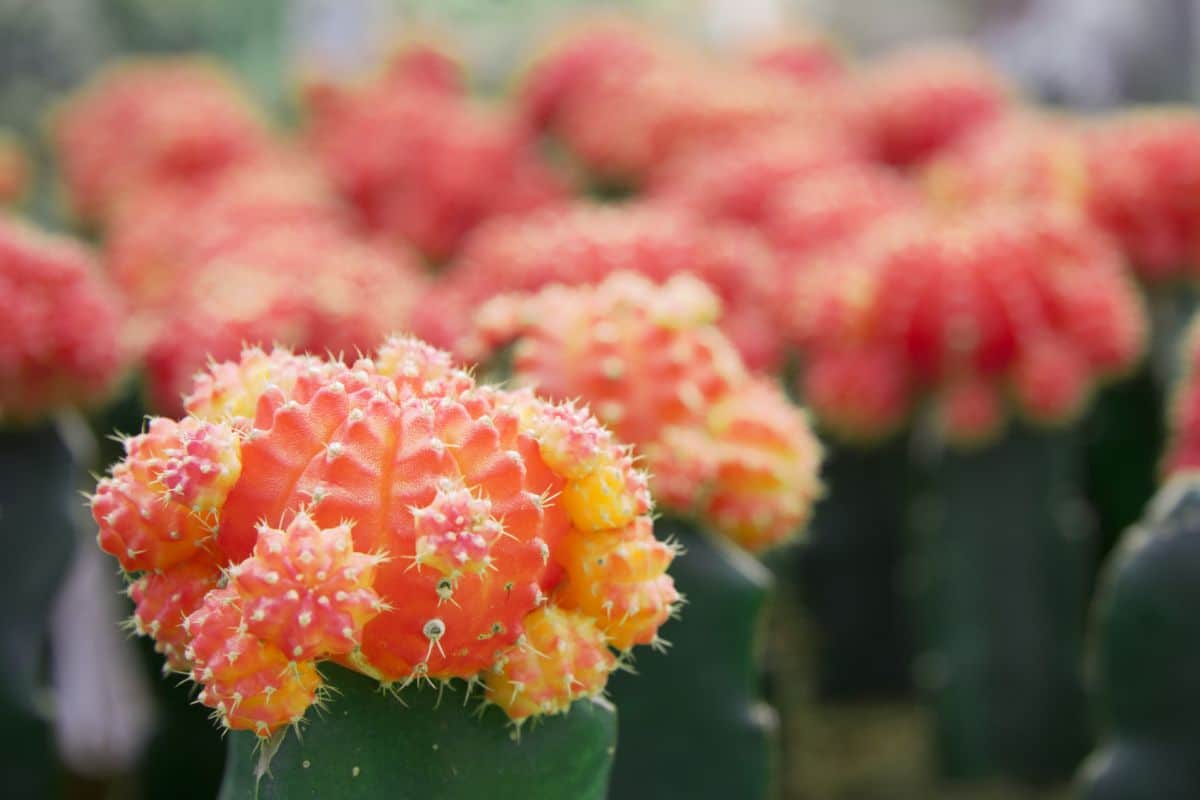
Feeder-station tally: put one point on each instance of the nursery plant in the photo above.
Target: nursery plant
(318, 543)
(734, 469)
(965, 323)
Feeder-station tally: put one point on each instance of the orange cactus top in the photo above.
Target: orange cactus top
(389, 514)
(720, 444)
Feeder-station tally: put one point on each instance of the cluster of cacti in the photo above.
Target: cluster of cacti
(584, 244)
(624, 102)
(664, 241)
(1132, 174)
(389, 515)
(61, 327)
(269, 254)
(438, 164)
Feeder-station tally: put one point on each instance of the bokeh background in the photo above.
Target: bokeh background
(103, 695)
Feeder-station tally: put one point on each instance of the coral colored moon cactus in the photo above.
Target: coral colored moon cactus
(919, 101)
(151, 121)
(1015, 307)
(723, 446)
(424, 165)
(61, 340)
(389, 515)
(584, 244)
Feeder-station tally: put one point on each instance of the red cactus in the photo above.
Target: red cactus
(1031, 300)
(918, 102)
(721, 445)
(16, 170)
(1144, 188)
(299, 287)
(625, 125)
(161, 120)
(423, 165)
(739, 180)
(584, 244)
(61, 332)
(390, 515)
(590, 52)
(149, 251)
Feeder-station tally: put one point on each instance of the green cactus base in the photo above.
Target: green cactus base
(850, 572)
(1125, 434)
(1147, 656)
(37, 494)
(367, 745)
(1002, 564)
(692, 722)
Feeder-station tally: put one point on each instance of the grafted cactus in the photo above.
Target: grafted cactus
(393, 517)
(735, 466)
(585, 244)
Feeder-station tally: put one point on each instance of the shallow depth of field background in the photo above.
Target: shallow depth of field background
(1082, 54)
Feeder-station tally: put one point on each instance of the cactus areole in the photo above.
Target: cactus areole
(390, 516)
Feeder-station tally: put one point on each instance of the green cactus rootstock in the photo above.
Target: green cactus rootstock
(692, 721)
(426, 744)
(1147, 656)
(37, 494)
(1125, 435)
(850, 572)
(1002, 559)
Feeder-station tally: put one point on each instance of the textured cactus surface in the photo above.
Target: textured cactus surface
(1003, 558)
(693, 722)
(1147, 658)
(370, 746)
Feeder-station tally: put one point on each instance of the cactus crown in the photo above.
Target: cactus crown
(721, 445)
(390, 515)
(61, 337)
(1023, 306)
